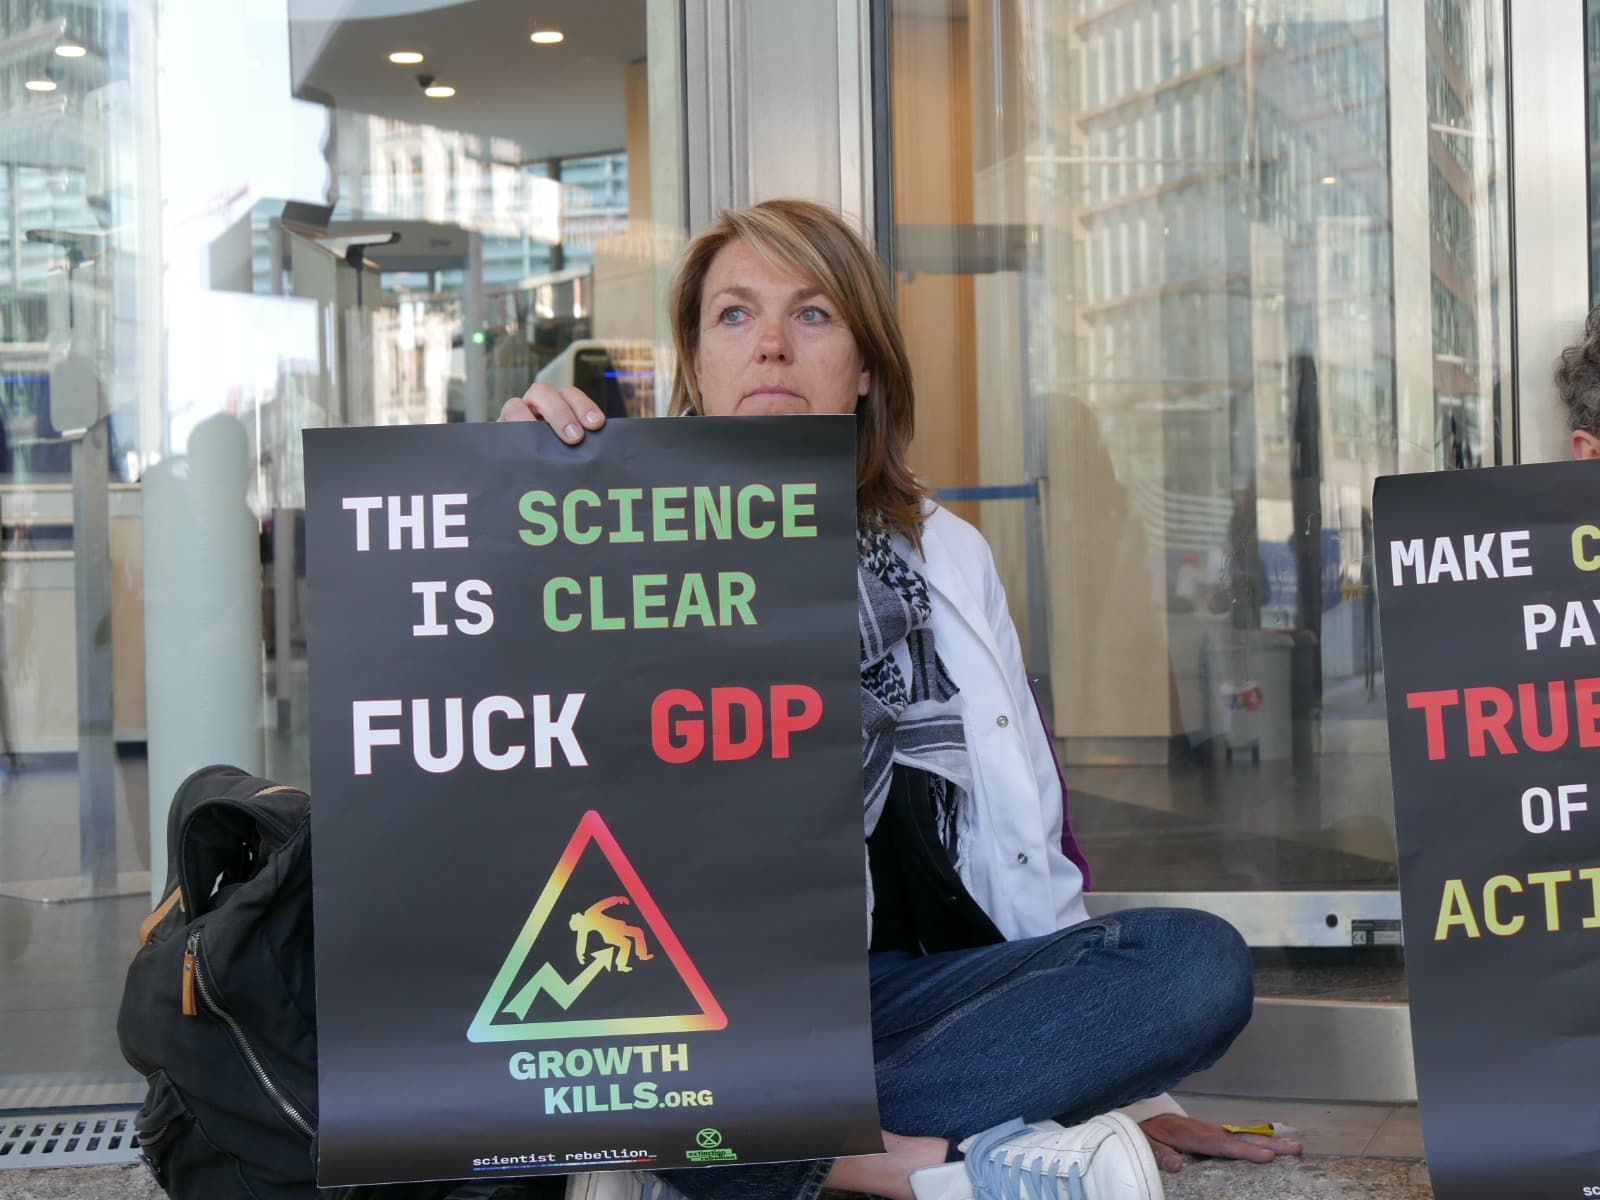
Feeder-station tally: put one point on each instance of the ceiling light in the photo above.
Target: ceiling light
(405, 58)
(70, 50)
(40, 85)
(439, 91)
(1330, 179)
(548, 37)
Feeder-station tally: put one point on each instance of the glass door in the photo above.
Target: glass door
(1181, 278)
(224, 224)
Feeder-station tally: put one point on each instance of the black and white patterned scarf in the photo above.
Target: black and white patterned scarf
(918, 724)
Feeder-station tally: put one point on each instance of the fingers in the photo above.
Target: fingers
(1278, 1145)
(1248, 1146)
(568, 411)
(1167, 1158)
(1175, 1133)
(1251, 1147)
(517, 409)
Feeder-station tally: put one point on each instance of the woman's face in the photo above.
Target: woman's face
(771, 343)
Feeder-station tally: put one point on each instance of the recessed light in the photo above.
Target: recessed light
(70, 50)
(405, 58)
(1330, 179)
(548, 37)
(40, 85)
(439, 91)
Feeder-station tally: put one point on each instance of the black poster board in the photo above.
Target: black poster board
(1490, 605)
(586, 760)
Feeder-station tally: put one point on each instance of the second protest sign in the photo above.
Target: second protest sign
(1490, 586)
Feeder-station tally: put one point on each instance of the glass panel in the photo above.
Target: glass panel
(1591, 43)
(1211, 267)
(73, 786)
(226, 223)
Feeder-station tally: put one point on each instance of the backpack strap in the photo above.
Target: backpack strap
(147, 927)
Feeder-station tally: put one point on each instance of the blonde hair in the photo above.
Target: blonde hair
(816, 243)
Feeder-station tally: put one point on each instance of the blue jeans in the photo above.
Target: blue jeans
(1068, 1025)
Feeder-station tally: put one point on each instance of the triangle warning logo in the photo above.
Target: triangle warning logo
(612, 934)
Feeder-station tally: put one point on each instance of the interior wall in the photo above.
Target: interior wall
(625, 268)
(1000, 198)
(931, 106)
(636, 105)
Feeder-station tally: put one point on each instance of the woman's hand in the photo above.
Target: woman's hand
(1172, 1136)
(568, 411)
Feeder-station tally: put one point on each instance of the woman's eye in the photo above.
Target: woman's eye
(733, 316)
(813, 315)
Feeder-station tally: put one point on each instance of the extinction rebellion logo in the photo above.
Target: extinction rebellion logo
(711, 1148)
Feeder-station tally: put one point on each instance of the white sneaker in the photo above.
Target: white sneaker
(1107, 1158)
(620, 1185)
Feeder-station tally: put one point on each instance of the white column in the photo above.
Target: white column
(14, 221)
(668, 172)
(715, 135)
(1413, 272)
(474, 356)
(202, 618)
(1550, 208)
(747, 138)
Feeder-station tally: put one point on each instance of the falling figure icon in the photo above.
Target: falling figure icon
(628, 940)
(623, 943)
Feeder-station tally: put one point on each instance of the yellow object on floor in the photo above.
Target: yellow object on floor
(1271, 1129)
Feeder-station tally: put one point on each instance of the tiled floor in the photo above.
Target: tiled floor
(1336, 1130)
(61, 975)
(1352, 1150)
(1303, 1179)
(1290, 1179)
(80, 1183)
(1371, 1151)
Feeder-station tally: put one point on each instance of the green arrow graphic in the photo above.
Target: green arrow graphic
(548, 979)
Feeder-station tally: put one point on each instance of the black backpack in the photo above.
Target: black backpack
(219, 1010)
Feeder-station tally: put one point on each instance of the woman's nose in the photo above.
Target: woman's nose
(773, 344)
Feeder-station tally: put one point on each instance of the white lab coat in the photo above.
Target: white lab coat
(1010, 834)
(1010, 855)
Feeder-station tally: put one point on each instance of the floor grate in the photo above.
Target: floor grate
(67, 1139)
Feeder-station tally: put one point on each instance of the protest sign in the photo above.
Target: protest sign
(586, 769)
(1490, 605)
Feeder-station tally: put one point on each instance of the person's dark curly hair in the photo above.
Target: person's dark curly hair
(1578, 378)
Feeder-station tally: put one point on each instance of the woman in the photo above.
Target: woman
(994, 996)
